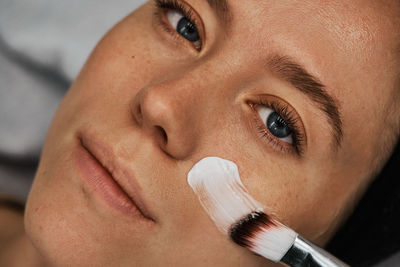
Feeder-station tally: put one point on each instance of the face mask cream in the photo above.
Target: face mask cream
(222, 194)
(217, 184)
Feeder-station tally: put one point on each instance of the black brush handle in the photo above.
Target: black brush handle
(303, 253)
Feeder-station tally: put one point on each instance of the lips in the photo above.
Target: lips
(107, 177)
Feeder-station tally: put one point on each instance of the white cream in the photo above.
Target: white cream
(217, 184)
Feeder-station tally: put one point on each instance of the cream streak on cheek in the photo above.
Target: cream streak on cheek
(217, 184)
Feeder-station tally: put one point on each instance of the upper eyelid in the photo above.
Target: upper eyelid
(183, 7)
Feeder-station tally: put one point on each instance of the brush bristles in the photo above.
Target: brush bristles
(263, 235)
(244, 229)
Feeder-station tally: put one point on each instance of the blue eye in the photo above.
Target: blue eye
(183, 26)
(275, 124)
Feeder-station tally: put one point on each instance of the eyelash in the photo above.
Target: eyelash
(292, 120)
(175, 5)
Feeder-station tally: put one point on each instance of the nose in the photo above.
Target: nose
(167, 113)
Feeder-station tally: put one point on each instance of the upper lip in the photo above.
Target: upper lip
(120, 173)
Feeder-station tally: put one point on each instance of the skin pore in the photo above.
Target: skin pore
(153, 103)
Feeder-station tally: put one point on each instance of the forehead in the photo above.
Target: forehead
(357, 26)
(338, 41)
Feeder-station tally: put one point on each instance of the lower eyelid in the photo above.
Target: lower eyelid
(280, 145)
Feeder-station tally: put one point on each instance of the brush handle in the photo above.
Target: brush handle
(303, 253)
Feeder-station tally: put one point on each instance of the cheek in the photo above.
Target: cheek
(310, 203)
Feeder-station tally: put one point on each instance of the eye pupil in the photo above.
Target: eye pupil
(277, 125)
(188, 30)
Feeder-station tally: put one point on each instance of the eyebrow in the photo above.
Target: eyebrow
(295, 74)
(221, 9)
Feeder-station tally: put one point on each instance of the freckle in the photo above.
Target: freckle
(133, 57)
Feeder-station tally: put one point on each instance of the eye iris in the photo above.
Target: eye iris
(277, 125)
(188, 30)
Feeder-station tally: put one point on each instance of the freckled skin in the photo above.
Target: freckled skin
(199, 100)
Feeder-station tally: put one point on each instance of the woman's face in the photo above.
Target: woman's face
(294, 92)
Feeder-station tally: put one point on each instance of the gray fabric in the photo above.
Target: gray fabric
(43, 44)
(59, 33)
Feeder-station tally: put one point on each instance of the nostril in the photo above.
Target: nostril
(137, 115)
(139, 111)
(161, 132)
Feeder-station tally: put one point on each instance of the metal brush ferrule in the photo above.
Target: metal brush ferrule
(303, 253)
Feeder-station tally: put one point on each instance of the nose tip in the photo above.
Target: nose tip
(156, 111)
(156, 130)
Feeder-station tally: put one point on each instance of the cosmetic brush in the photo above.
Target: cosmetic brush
(217, 184)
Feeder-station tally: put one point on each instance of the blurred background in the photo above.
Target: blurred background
(43, 44)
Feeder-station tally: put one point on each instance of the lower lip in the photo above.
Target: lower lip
(98, 180)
